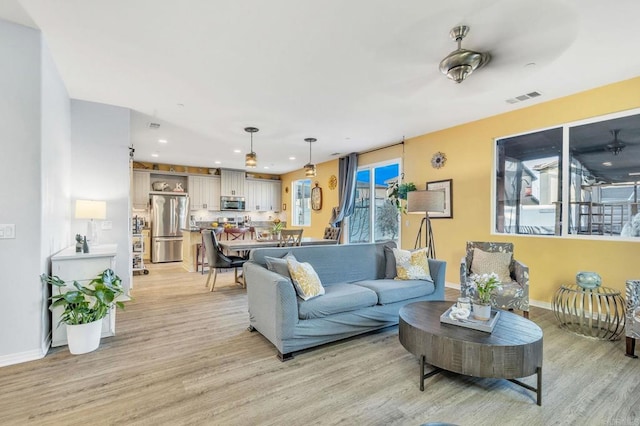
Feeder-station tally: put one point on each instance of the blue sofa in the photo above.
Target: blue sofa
(360, 294)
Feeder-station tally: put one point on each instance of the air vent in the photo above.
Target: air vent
(521, 98)
(154, 125)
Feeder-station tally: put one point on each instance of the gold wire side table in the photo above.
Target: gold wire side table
(598, 312)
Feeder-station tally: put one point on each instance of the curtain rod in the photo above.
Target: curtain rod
(384, 147)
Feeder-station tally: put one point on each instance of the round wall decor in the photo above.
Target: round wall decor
(333, 182)
(438, 160)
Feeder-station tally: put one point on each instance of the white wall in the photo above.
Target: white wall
(23, 78)
(100, 139)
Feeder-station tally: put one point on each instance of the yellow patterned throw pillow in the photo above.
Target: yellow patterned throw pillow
(412, 265)
(485, 262)
(305, 279)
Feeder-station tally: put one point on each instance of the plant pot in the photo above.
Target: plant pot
(83, 338)
(481, 312)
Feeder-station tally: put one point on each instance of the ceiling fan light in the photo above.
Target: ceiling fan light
(459, 73)
(250, 160)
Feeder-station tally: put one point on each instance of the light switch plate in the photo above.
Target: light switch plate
(7, 231)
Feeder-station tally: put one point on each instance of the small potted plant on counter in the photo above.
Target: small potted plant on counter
(84, 307)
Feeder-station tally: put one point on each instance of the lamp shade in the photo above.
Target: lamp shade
(90, 209)
(421, 202)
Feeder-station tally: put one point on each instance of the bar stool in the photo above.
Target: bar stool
(201, 255)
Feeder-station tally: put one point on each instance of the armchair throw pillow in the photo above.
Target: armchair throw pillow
(412, 265)
(305, 279)
(484, 262)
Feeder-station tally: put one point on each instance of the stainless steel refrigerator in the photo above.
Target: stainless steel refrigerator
(168, 216)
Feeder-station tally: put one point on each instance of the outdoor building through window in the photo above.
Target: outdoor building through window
(301, 202)
(374, 218)
(578, 179)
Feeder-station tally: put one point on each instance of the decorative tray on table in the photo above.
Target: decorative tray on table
(486, 326)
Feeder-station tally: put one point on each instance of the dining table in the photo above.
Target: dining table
(244, 246)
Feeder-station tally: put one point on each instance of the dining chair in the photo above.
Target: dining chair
(290, 237)
(217, 259)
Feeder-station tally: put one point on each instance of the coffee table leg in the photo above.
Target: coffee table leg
(539, 391)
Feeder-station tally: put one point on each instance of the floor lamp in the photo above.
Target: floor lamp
(423, 202)
(90, 209)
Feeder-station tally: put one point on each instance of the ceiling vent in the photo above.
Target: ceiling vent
(154, 125)
(523, 97)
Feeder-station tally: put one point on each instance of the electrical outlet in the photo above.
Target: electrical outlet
(107, 224)
(7, 231)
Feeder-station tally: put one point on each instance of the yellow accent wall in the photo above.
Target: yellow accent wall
(469, 148)
(319, 219)
(552, 261)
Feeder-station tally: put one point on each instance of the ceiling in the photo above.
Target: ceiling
(356, 74)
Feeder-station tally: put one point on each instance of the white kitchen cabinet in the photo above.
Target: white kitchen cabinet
(263, 195)
(140, 188)
(204, 193)
(232, 183)
(82, 267)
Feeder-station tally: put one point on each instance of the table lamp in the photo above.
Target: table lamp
(90, 209)
(423, 202)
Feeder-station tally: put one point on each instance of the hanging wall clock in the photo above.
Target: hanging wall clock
(316, 197)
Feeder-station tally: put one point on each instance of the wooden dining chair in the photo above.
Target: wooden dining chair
(290, 237)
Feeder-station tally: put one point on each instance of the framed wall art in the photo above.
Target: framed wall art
(445, 185)
(316, 197)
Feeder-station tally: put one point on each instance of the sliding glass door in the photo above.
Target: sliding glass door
(375, 218)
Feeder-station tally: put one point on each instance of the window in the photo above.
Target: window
(591, 167)
(301, 202)
(373, 207)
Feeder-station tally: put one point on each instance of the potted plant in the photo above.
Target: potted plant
(397, 192)
(84, 307)
(483, 285)
(277, 227)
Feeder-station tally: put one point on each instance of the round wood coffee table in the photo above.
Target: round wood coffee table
(513, 350)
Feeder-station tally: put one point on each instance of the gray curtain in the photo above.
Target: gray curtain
(347, 172)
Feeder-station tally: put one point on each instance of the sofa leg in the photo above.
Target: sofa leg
(525, 314)
(631, 347)
(285, 357)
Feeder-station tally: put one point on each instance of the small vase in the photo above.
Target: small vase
(481, 312)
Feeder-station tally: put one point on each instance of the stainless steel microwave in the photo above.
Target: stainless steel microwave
(232, 203)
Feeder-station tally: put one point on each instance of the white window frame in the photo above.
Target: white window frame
(294, 198)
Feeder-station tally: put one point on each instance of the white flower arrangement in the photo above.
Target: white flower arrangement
(483, 285)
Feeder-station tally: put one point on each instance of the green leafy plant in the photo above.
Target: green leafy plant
(277, 226)
(87, 303)
(483, 285)
(398, 192)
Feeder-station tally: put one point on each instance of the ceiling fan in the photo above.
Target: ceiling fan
(615, 146)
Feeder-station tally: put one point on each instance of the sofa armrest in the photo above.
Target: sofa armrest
(272, 300)
(438, 269)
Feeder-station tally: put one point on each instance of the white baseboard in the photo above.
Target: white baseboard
(18, 358)
(538, 304)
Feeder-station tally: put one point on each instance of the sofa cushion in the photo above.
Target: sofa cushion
(279, 264)
(390, 271)
(485, 262)
(391, 291)
(412, 265)
(305, 279)
(339, 297)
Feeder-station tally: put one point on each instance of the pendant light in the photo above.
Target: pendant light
(310, 168)
(250, 160)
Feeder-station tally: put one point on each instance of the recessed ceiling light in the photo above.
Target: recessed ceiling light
(217, 162)
(266, 167)
(607, 164)
(162, 140)
(237, 151)
(292, 158)
(154, 155)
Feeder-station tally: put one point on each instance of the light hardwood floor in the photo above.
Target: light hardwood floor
(183, 355)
